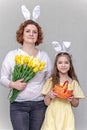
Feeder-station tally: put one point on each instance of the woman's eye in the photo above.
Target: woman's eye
(34, 32)
(27, 31)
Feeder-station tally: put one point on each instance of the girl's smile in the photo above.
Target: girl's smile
(63, 64)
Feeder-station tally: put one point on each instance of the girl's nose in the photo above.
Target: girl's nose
(63, 64)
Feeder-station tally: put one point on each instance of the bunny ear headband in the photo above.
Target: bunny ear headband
(27, 15)
(64, 47)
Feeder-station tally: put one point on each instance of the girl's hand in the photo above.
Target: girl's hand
(48, 97)
(74, 101)
(51, 94)
(19, 84)
(70, 98)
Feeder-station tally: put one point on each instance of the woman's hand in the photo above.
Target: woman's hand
(19, 84)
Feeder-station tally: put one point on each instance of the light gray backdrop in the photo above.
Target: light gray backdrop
(61, 20)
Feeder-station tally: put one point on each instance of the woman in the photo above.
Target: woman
(27, 111)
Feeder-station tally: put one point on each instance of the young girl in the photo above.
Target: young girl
(59, 114)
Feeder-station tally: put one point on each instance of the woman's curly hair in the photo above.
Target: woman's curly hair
(20, 31)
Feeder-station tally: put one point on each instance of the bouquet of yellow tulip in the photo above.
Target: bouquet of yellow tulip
(25, 67)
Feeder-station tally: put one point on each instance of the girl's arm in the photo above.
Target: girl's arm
(74, 101)
(47, 100)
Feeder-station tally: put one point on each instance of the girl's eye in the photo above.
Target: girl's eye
(66, 62)
(60, 63)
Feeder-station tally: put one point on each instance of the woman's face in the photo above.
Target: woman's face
(63, 64)
(30, 34)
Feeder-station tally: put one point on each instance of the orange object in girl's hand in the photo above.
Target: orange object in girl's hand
(62, 90)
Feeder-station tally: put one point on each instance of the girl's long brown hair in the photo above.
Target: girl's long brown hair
(71, 72)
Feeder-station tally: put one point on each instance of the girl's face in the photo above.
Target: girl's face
(63, 64)
(30, 34)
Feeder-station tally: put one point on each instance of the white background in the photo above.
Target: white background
(61, 20)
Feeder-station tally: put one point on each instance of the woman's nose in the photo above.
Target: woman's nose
(31, 33)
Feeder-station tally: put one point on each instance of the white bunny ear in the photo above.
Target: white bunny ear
(36, 12)
(25, 12)
(66, 45)
(57, 47)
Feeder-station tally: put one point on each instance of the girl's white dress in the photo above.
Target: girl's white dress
(59, 114)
